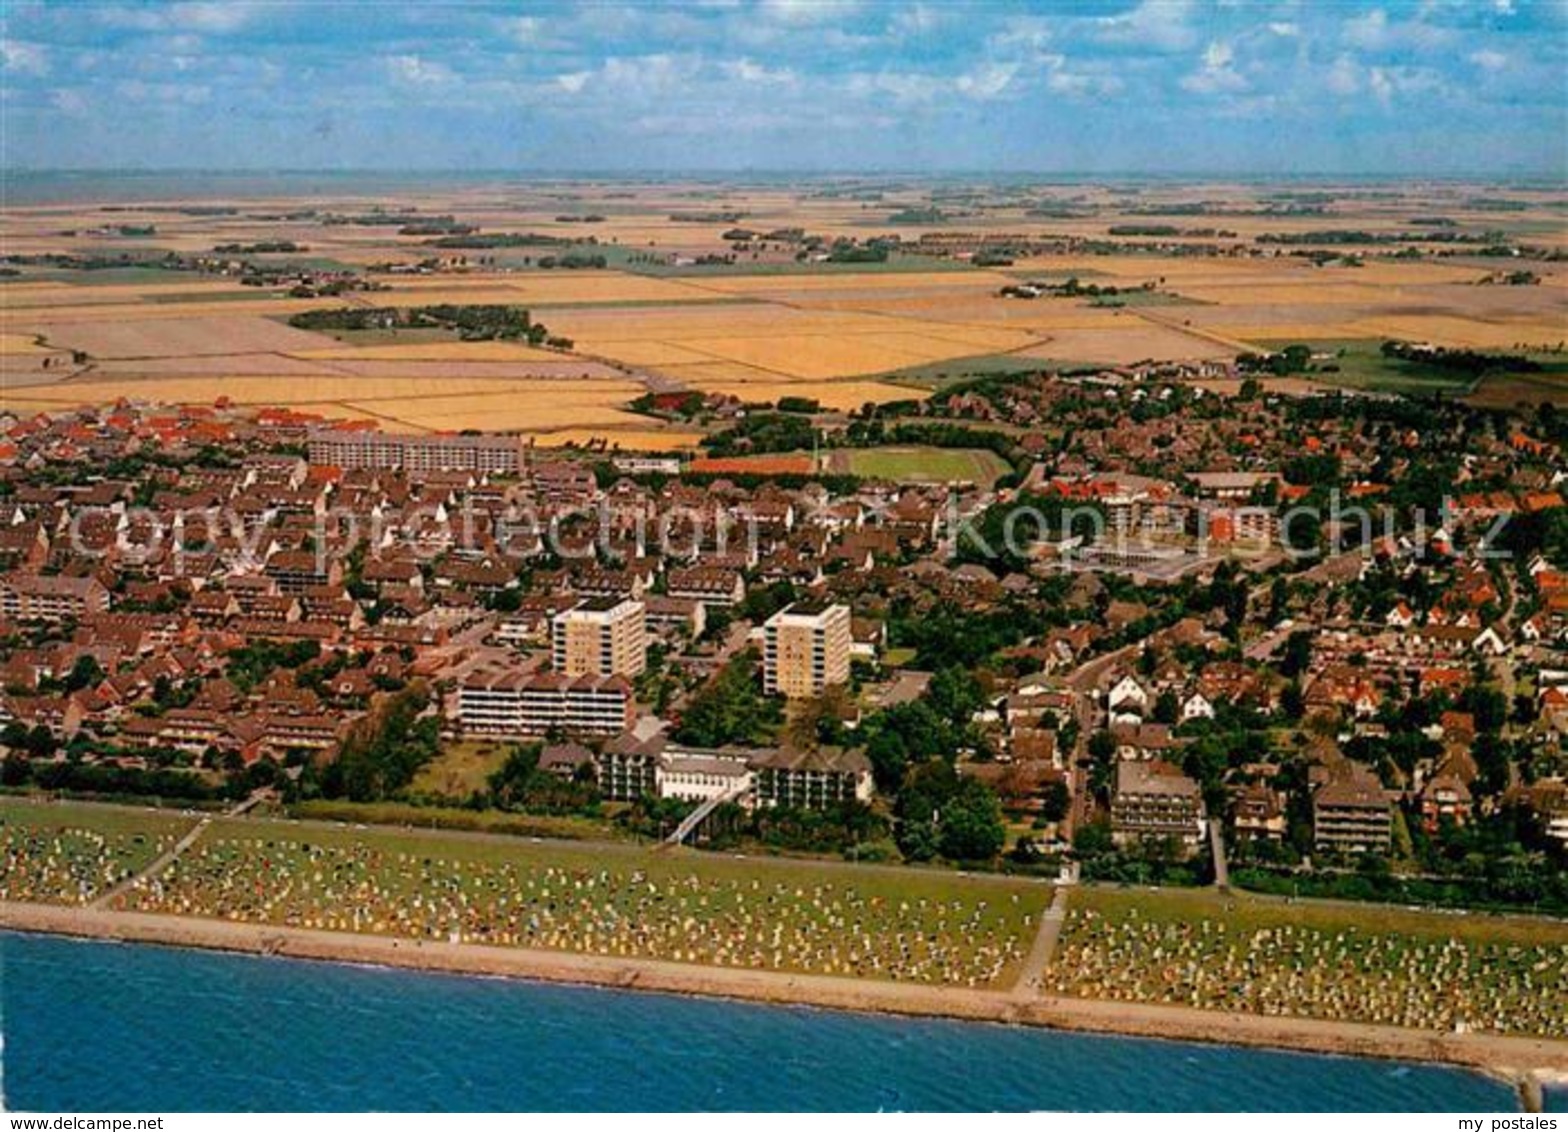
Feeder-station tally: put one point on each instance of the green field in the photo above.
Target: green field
(767, 914)
(252, 293)
(561, 827)
(103, 277)
(922, 464)
(1362, 963)
(460, 769)
(72, 852)
(930, 377)
(1361, 365)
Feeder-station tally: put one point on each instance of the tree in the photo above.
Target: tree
(971, 826)
(1055, 800)
(84, 673)
(40, 742)
(730, 708)
(1093, 839)
(1298, 653)
(1166, 707)
(383, 751)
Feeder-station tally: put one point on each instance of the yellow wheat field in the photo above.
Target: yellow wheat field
(23, 345)
(842, 395)
(435, 351)
(298, 392)
(651, 352)
(1451, 331)
(627, 439)
(808, 356)
(497, 412)
(179, 337)
(867, 283)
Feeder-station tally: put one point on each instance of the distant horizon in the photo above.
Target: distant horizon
(804, 172)
(1175, 87)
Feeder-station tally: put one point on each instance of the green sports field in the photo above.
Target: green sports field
(922, 464)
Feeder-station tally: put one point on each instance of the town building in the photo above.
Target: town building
(523, 704)
(806, 649)
(1352, 814)
(51, 597)
(811, 780)
(364, 448)
(1155, 801)
(600, 637)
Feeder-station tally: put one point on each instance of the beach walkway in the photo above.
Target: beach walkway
(179, 847)
(1221, 866)
(1027, 984)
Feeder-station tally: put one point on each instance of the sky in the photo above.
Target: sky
(1318, 87)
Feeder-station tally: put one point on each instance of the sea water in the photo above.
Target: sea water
(92, 1026)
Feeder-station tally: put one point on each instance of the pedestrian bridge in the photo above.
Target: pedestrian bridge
(692, 820)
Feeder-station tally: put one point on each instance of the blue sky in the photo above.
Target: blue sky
(1163, 86)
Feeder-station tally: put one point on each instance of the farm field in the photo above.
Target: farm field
(420, 404)
(680, 306)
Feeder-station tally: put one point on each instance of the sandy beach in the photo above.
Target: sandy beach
(1519, 1059)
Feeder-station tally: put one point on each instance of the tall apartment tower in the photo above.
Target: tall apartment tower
(601, 637)
(806, 649)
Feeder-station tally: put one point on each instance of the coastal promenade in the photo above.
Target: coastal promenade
(1520, 1060)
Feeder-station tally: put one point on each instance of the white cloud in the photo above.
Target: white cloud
(807, 11)
(1217, 73)
(573, 81)
(1489, 60)
(213, 17)
(1285, 29)
(1022, 33)
(1376, 32)
(1380, 84)
(1062, 78)
(208, 16)
(185, 94)
(524, 29)
(1344, 76)
(23, 58)
(748, 71)
(416, 71)
(1157, 24)
(70, 102)
(986, 82)
(916, 21)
